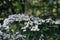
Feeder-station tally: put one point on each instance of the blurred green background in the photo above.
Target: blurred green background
(40, 8)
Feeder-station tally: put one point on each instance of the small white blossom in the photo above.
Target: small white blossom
(17, 32)
(56, 22)
(35, 28)
(27, 25)
(31, 23)
(20, 36)
(12, 30)
(43, 20)
(48, 20)
(6, 21)
(11, 19)
(24, 30)
(6, 36)
(36, 22)
(7, 28)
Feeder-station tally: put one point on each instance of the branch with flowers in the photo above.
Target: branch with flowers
(30, 22)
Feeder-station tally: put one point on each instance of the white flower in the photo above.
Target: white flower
(27, 25)
(48, 20)
(43, 20)
(4, 25)
(13, 16)
(35, 28)
(35, 21)
(7, 27)
(31, 23)
(32, 17)
(6, 21)
(24, 30)
(10, 17)
(56, 22)
(17, 19)
(12, 30)
(11, 20)
(6, 36)
(26, 18)
(17, 32)
(20, 36)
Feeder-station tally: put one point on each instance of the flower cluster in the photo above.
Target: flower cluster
(31, 20)
(16, 36)
(31, 23)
